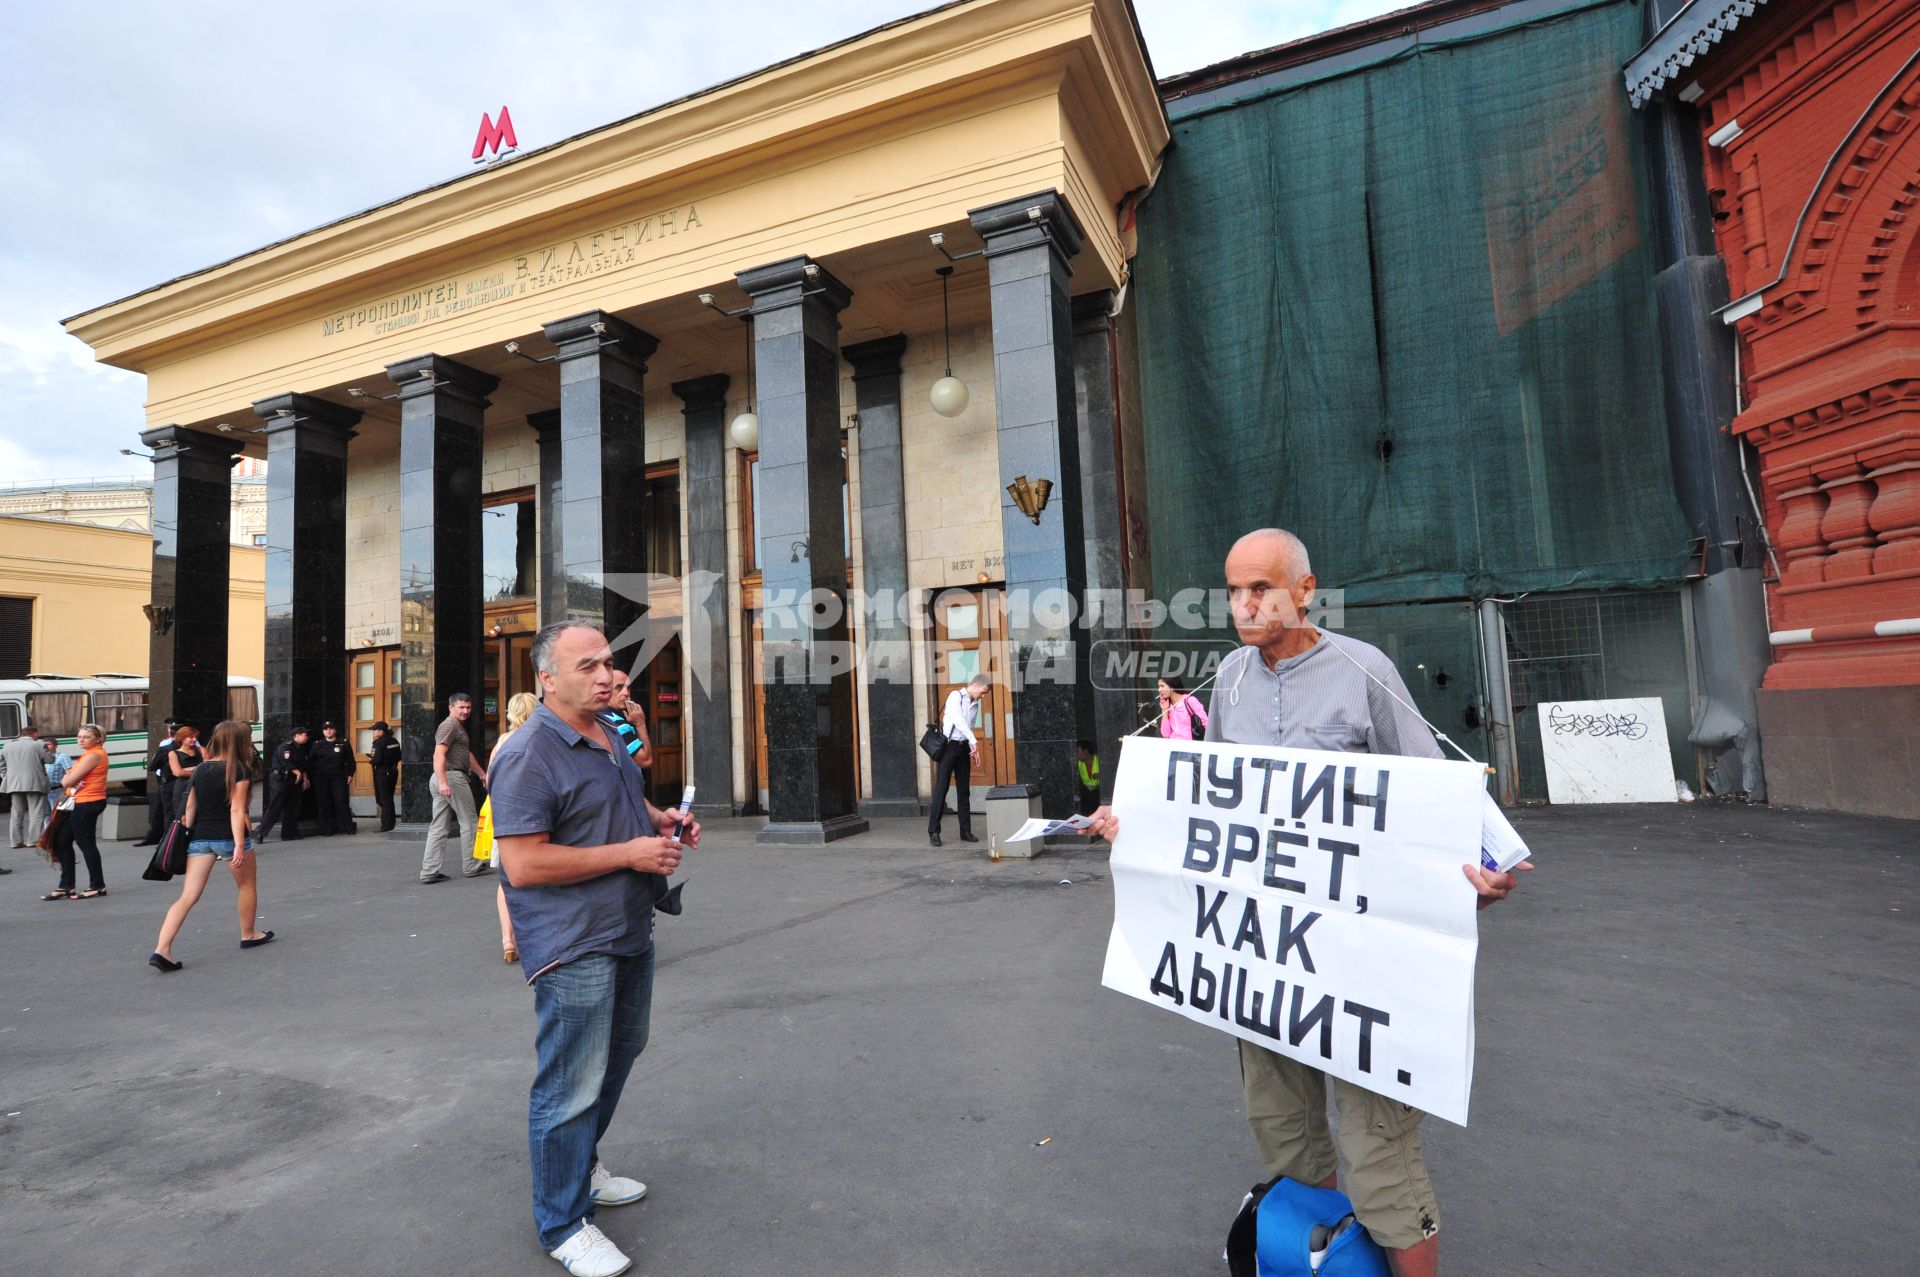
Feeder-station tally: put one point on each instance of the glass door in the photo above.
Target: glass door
(970, 637)
(376, 685)
(664, 709)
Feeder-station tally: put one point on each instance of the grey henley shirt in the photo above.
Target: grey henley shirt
(1317, 700)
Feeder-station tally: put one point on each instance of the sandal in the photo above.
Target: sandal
(91, 892)
(59, 893)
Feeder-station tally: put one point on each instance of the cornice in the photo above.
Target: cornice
(1687, 37)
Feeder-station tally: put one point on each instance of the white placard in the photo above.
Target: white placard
(1309, 902)
(1606, 751)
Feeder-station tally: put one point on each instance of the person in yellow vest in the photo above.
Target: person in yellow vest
(1089, 769)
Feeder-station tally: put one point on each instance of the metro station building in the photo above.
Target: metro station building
(501, 400)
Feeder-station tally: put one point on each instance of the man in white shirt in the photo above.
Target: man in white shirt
(958, 757)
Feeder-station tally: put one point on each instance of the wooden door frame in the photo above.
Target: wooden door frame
(386, 686)
(998, 754)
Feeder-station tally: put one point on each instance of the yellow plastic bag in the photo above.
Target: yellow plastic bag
(483, 832)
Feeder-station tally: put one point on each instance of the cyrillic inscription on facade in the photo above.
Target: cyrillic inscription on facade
(609, 248)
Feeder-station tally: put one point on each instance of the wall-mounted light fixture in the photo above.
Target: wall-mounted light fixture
(159, 618)
(797, 551)
(1030, 497)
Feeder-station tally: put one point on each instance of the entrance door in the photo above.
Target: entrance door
(377, 680)
(970, 637)
(664, 708)
(506, 665)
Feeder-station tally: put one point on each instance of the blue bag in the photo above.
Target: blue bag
(1289, 1229)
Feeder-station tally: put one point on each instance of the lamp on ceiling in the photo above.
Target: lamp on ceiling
(949, 394)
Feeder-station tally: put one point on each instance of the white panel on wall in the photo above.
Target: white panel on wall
(1606, 751)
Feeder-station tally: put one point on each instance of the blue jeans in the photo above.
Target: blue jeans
(590, 1025)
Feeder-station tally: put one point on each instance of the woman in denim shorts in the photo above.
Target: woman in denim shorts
(216, 812)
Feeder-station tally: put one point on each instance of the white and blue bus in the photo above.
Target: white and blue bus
(57, 704)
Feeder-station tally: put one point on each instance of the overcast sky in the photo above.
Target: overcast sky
(142, 140)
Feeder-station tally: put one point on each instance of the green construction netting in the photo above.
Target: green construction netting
(1407, 311)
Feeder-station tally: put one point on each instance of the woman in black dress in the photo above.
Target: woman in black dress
(185, 755)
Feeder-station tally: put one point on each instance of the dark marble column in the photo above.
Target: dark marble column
(1029, 244)
(887, 668)
(706, 639)
(811, 780)
(553, 575)
(1093, 383)
(306, 563)
(192, 511)
(442, 404)
(603, 472)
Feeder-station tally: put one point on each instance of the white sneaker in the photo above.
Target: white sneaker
(588, 1253)
(608, 1189)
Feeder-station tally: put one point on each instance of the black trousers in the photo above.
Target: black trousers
(177, 790)
(383, 782)
(283, 799)
(156, 810)
(955, 763)
(77, 829)
(1089, 800)
(331, 804)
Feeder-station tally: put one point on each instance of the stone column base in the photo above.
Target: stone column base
(812, 833)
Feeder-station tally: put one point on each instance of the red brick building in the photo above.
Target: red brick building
(1807, 113)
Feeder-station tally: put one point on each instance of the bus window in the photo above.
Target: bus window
(9, 720)
(121, 711)
(57, 713)
(243, 703)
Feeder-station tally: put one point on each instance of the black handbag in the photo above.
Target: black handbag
(933, 741)
(170, 857)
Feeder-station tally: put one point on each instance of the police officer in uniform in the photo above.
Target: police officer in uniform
(333, 765)
(157, 777)
(384, 755)
(286, 778)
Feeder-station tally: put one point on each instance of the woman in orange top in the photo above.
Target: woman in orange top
(86, 784)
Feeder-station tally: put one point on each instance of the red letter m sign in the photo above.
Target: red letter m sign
(491, 135)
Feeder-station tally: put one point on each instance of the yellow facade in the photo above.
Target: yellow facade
(88, 585)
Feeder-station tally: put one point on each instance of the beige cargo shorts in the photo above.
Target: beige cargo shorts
(1376, 1150)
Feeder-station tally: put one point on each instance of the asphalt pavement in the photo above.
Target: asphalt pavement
(1695, 1030)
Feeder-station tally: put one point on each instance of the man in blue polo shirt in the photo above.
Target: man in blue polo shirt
(583, 866)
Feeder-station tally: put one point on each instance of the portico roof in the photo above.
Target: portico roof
(850, 153)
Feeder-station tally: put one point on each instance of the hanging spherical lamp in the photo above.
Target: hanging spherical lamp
(949, 395)
(745, 431)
